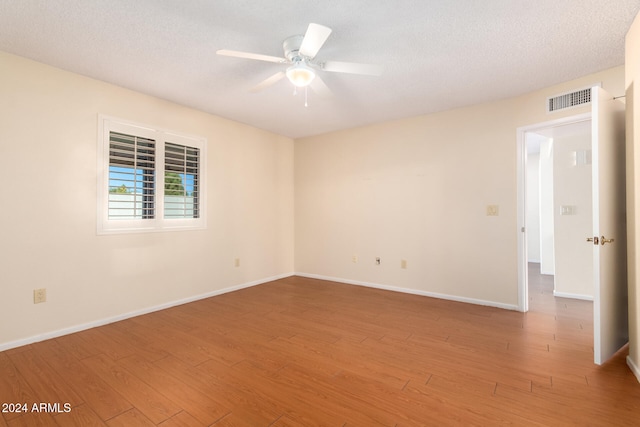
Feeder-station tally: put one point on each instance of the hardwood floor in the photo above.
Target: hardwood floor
(305, 352)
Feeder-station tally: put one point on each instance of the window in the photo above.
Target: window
(131, 177)
(133, 159)
(181, 171)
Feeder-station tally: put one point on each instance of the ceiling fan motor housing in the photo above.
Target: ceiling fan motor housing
(291, 47)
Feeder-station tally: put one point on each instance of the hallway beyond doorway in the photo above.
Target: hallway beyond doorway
(542, 300)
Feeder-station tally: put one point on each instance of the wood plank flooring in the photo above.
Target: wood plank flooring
(304, 352)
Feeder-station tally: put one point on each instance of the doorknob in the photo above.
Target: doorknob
(594, 239)
(603, 240)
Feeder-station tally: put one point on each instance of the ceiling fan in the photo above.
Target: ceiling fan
(300, 54)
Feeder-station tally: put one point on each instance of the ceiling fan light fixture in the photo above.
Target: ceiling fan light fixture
(300, 74)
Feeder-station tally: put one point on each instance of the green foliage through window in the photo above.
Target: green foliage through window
(173, 184)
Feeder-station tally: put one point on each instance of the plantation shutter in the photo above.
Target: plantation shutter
(181, 181)
(131, 177)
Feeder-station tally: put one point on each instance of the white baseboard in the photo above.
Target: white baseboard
(573, 296)
(412, 291)
(634, 368)
(113, 319)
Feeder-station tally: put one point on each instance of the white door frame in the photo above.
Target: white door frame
(523, 291)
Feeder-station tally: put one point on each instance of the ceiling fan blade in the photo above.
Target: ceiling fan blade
(320, 88)
(352, 68)
(313, 39)
(268, 82)
(248, 55)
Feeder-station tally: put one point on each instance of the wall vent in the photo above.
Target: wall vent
(568, 100)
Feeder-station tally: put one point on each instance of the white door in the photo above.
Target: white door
(610, 316)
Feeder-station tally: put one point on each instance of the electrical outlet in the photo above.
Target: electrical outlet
(237, 262)
(39, 295)
(403, 263)
(377, 260)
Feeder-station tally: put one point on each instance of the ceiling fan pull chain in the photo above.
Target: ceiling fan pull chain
(306, 104)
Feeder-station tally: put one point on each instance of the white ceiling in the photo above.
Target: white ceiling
(435, 54)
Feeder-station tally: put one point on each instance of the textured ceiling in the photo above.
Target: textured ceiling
(435, 54)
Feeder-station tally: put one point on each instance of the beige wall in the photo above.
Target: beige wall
(417, 189)
(48, 131)
(632, 73)
(572, 187)
(413, 189)
(547, 238)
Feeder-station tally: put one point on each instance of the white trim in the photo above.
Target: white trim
(634, 368)
(523, 292)
(521, 184)
(572, 296)
(117, 318)
(411, 291)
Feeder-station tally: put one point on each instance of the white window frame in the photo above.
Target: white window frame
(108, 124)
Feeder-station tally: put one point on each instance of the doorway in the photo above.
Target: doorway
(555, 212)
(608, 270)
